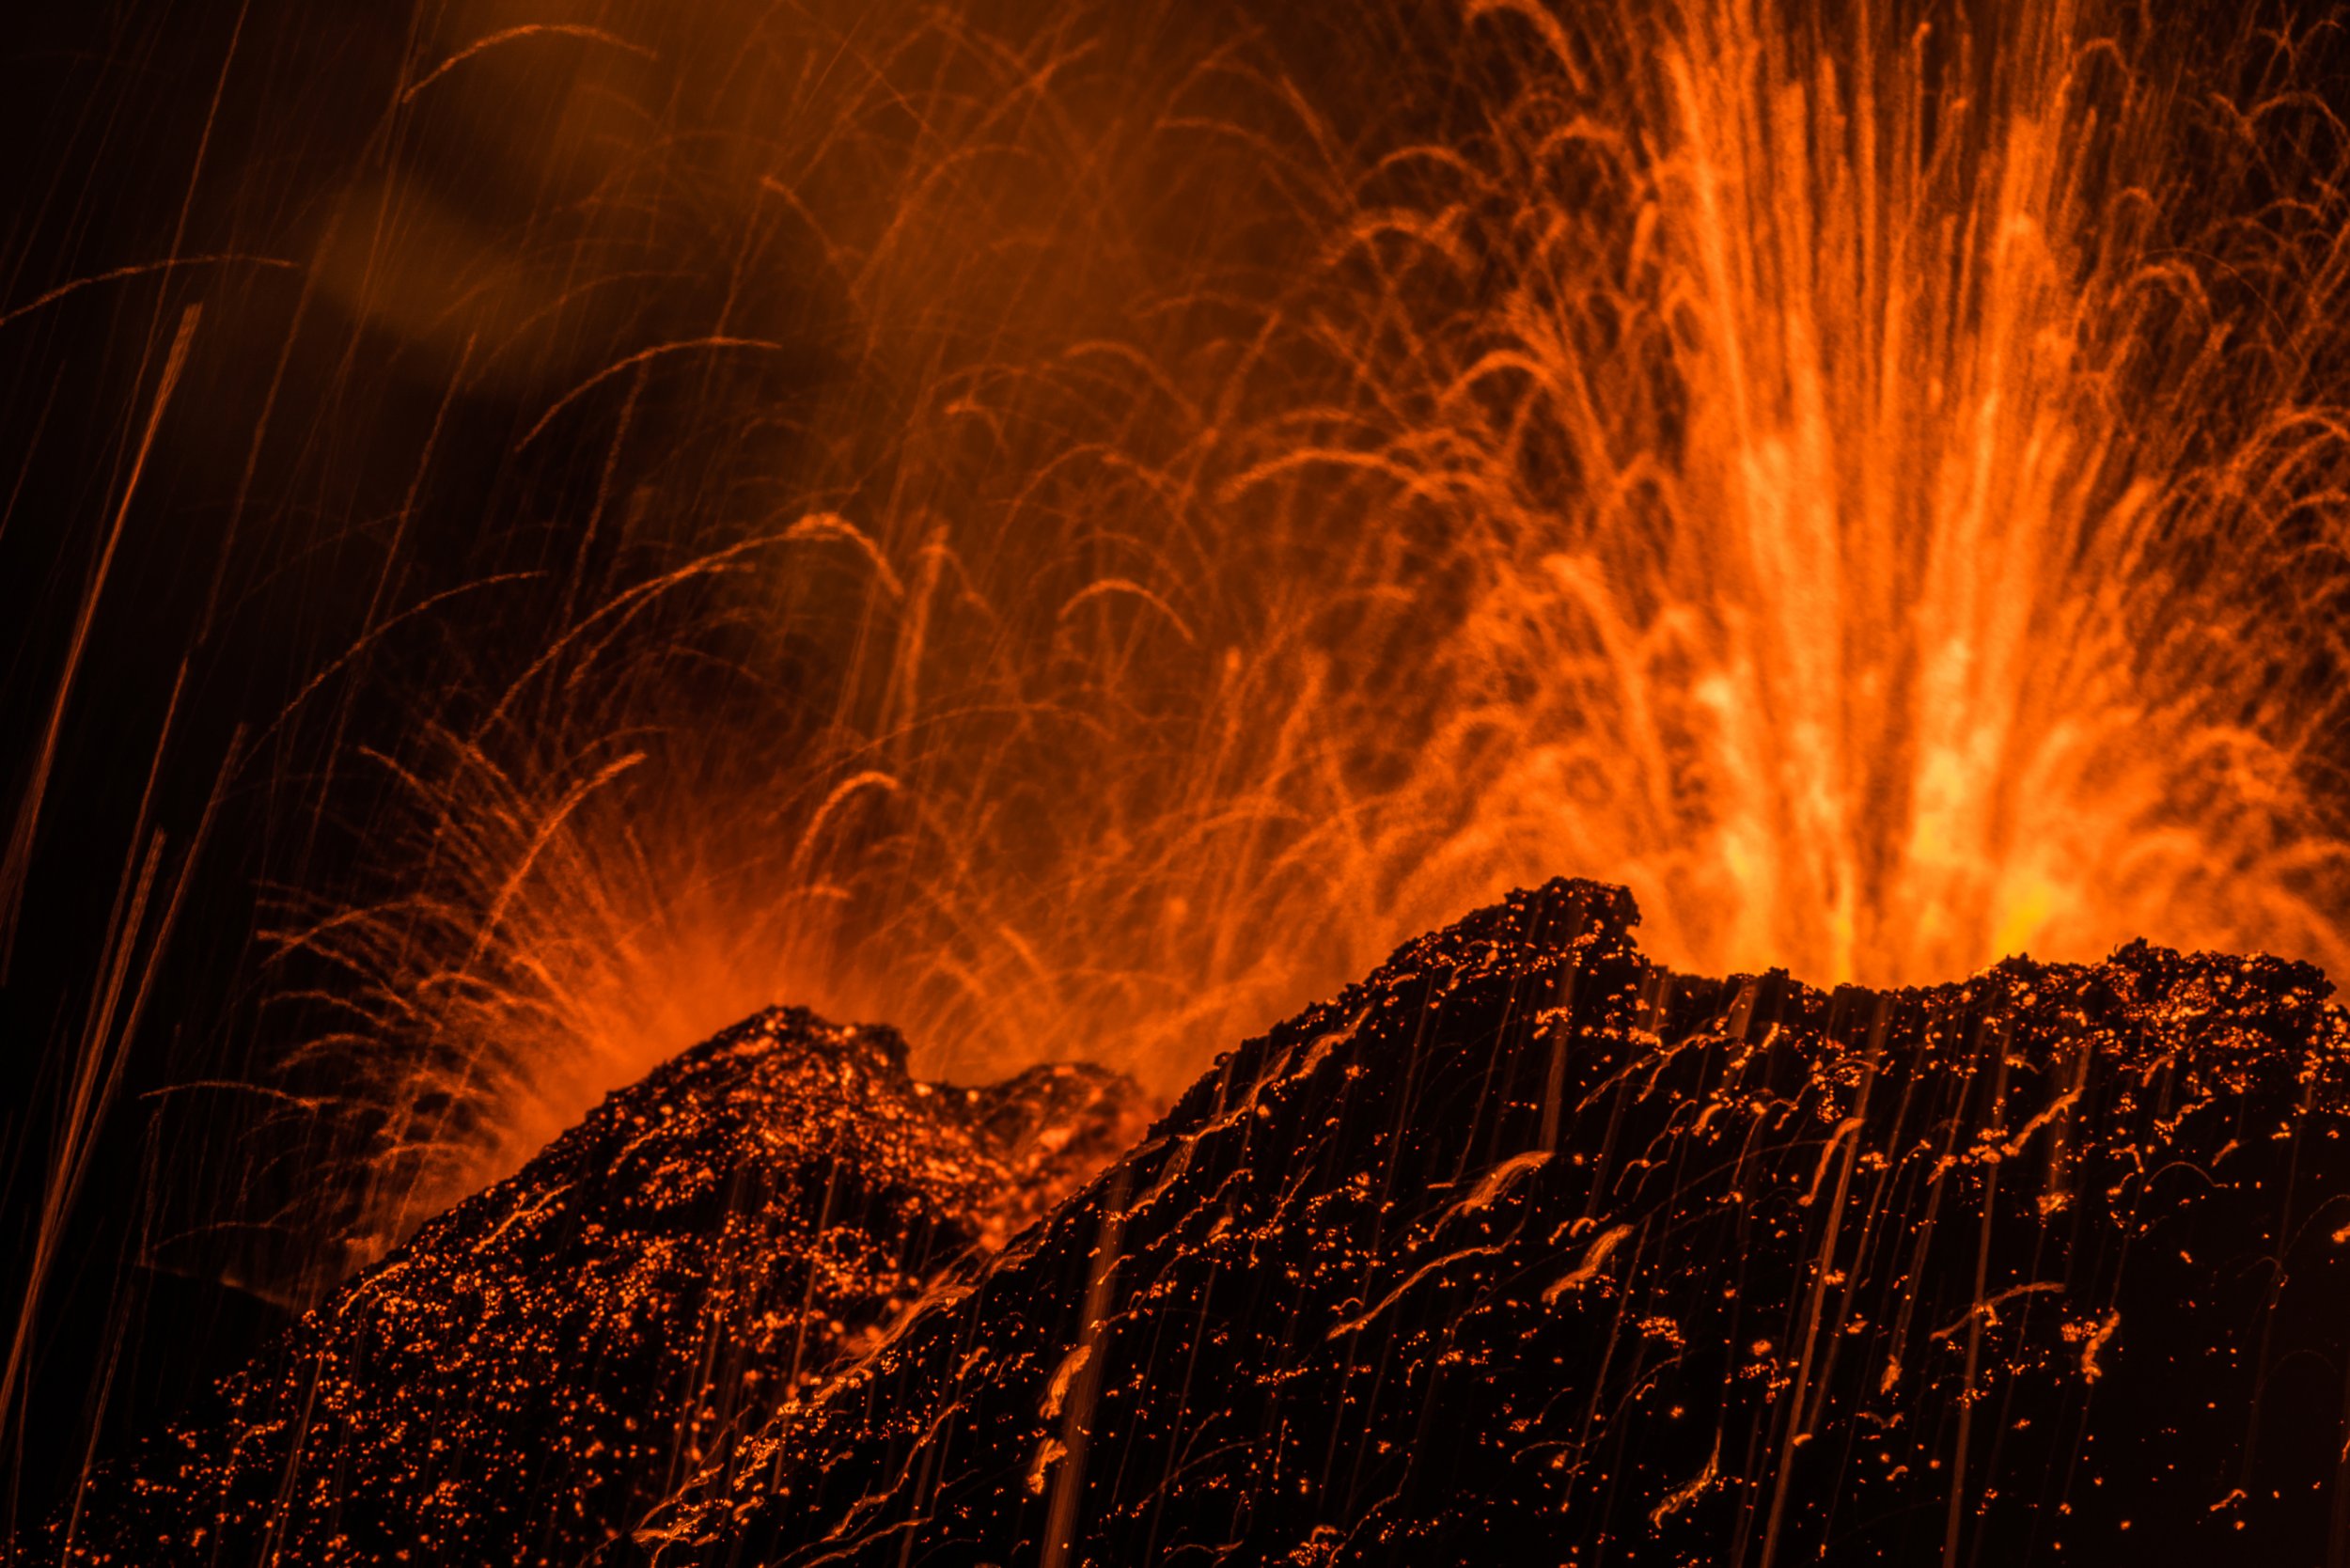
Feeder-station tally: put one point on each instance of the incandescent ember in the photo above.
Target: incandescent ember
(543, 1363)
(1521, 1250)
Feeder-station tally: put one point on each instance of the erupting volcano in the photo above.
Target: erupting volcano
(1520, 1250)
(536, 530)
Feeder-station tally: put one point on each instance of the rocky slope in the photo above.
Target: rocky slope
(537, 1367)
(1520, 1250)
(1523, 1250)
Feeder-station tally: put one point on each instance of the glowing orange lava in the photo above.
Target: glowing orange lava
(1868, 477)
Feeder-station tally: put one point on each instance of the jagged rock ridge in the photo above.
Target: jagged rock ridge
(1524, 1250)
(538, 1366)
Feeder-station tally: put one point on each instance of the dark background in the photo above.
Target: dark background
(333, 455)
(318, 469)
(329, 459)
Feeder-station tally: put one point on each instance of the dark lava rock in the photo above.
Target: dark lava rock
(1523, 1250)
(535, 1368)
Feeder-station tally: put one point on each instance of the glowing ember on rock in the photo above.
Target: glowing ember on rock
(1071, 526)
(551, 1358)
(1521, 1248)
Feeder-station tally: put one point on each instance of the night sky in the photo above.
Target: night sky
(341, 372)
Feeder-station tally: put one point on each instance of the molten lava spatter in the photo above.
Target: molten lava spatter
(1074, 525)
(1521, 1250)
(1524, 1250)
(545, 1363)
(1866, 477)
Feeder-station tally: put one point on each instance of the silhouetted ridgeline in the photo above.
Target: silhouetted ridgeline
(1520, 1250)
(542, 1364)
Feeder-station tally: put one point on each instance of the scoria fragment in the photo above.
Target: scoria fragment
(538, 1366)
(1524, 1250)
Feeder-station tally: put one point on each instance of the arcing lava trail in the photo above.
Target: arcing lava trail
(1521, 1248)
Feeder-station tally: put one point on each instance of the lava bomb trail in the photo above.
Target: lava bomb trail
(533, 531)
(1521, 1248)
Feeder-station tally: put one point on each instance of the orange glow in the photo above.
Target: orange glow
(1867, 483)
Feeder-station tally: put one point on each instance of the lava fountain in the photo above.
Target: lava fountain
(1879, 463)
(1073, 528)
(1866, 477)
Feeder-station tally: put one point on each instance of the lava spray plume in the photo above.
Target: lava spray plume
(1882, 468)
(1865, 474)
